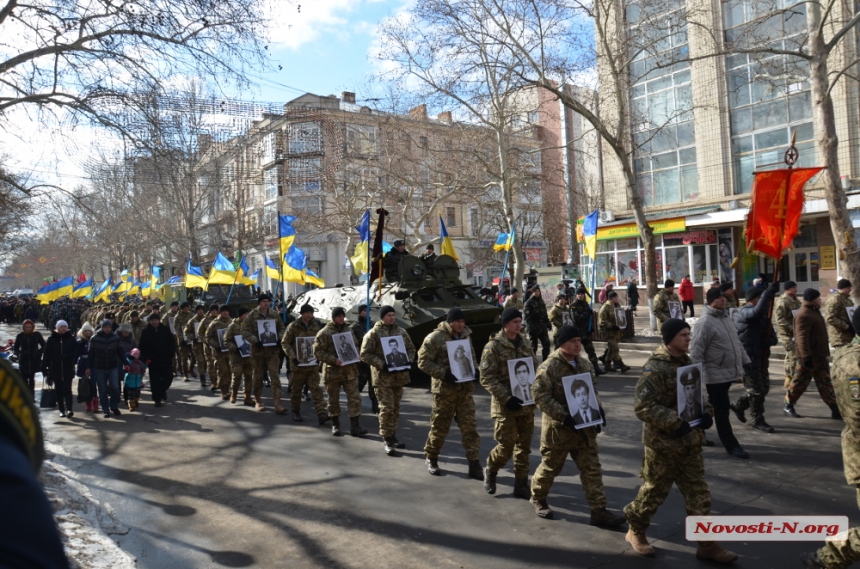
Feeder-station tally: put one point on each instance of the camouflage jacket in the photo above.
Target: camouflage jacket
(249, 328)
(550, 398)
(656, 405)
(189, 328)
(836, 317)
(433, 359)
(556, 316)
(846, 383)
(535, 316)
(510, 302)
(234, 329)
(211, 333)
(360, 328)
(732, 300)
(661, 305)
(372, 354)
(204, 326)
(137, 329)
(495, 376)
(297, 329)
(582, 317)
(325, 352)
(182, 319)
(606, 321)
(784, 318)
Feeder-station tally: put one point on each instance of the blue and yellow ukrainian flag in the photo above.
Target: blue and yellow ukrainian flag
(242, 277)
(156, 276)
(272, 271)
(504, 242)
(589, 232)
(82, 290)
(194, 276)
(64, 288)
(313, 278)
(360, 258)
(286, 233)
(295, 263)
(103, 292)
(222, 271)
(126, 279)
(447, 244)
(44, 293)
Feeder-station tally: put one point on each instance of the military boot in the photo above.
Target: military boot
(234, 395)
(214, 387)
(475, 470)
(490, 480)
(259, 404)
(738, 412)
(355, 428)
(624, 367)
(541, 508)
(279, 409)
(605, 518)
(323, 418)
(715, 552)
(249, 400)
(522, 488)
(834, 412)
(389, 446)
(762, 425)
(432, 464)
(335, 426)
(609, 367)
(639, 543)
(788, 409)
(602, 359)
(297, 416)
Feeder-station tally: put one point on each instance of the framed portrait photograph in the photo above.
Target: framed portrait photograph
(394, 351)
(460, 359)
(344, 345)
(796, 310)
(244, 347)
(267, 332)
(566, 319)
(521, 372)
(675, 310)
(581, 400)
(197, 331)
(305, 351)
(850, 310)
(733, 314)
(621, 318)
(690, 403)
(221, 343)
(170, 321)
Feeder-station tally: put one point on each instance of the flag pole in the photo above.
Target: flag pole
(367, 324)
(505, 266)
(229, 294)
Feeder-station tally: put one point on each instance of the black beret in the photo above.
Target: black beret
(199, 307)
(337, 311)
(843, 283)
(713, 294)
(510, 314)
(670, 329)
(567, 333)
(385, 310)
(753, 293)
(788, 285)
(810, 294)
(455, 314)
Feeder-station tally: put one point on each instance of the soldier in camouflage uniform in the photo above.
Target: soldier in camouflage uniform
(263, 358)
(559, 436)
(731, 296)
(673, 449)
(560, 313)
(660, 306)
(515, 422)
(846, 381)
(240, 367)
(609, 326)
(208, 362)
(451, 400)
(786, 307)
(513, 300)
(197, 344)
(583, 319)
(182, 344)
(221, 358)
(388, 384)
(839, 329)
(537, 322)
(138, 325)
(304, 327)
(360, 328)
(336, 375)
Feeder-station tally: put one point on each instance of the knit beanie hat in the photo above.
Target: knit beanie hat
(153, 316)
(843, 283)
(810, 294)
(306, 308)
(106, 323)
(788, 285)
(670, 329)
(242, 310)
(261, 298)
(455, 314)
(61, 323)
(726, 286)
(567, 333)
(510, 314)
(713, 294)
(580, 290)
(669, 283)
(225, 308)
(385, 310)
(753, 293)
(337, 311)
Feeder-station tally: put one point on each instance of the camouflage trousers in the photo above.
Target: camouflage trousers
(300, 377)
(820, 371)
(197, 350)
(583, 450)
(222, 367)
(456, 404)
(790, 360)
(242, 373)
(513, 435)
(588, 346)
(353, 399)
(841, 554)
(658, 473)
(184, 359)
(613, 353)
(210, 362)
(262, 360)
(389, 409)
(757, 385)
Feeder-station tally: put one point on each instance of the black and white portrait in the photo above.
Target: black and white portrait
(460, 359)
(394, 351)
(267, 332)
(522, 374)
(850, 310)
(566, 319)
(305, 351)
(581, 400)
(675, 310)
(244, 347)
(344, 345)
(197, 331)
(690, 393)
(733, 314)
(621, 318)
(170, 321)
(221, 343)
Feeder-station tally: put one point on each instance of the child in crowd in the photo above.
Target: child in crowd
(134, 378)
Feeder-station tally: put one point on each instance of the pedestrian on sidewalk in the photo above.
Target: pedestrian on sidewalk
(103, 363)
(583, 319)
(158, 350)
(685, 291)
(537, 322)
(604, 292)
(608, 323)
(134, 370)
(632, 294)
(660, 307)
(58, 365)
(87, 391)
(717, 347)
(29, 346)
(785, 308)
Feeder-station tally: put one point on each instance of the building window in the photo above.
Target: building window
(361, 139)
(423, 146)
(270, 218)
(451, 216)
(305, 174)
(473, 222)
(272, 182)
(311, 204)
(534, 117)
(270, 148)
(305, 137)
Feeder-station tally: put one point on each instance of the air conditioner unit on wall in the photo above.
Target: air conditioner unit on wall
(607, 216)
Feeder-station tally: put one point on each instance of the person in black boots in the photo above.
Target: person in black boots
(58, 365)
(157, 350)
(29, 346)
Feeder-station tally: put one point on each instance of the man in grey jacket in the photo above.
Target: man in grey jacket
(716, 346)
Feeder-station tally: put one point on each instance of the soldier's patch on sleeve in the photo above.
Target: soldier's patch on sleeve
(854, 385)
(485, 363)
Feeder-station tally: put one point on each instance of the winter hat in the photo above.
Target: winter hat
(337, 311)
(107, 323)
(455, 314)
(87, 327)
(713, 294)
(135, 353)
(670, 329)
(61, 323)
(788, 285)
(513, 290)
(669, 283)
(580, 290)
(567, 333)
(510, 314)
(726, 286)
(810, 294)
(362, 308)
(242, 310)
(611, 294)
(560, 297)
(199, 308)
(225, 308)
(184, 305)
(174, 303)
(843, 283)
(26, 322)
(125, 327)
(306, 308)
(753, 293)
(154, 316)
(134, 314)
(385, 310)
(261, 298)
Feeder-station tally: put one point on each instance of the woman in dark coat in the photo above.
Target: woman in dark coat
(632, 294)
(157, 349)
(29, 346)
(58, 365)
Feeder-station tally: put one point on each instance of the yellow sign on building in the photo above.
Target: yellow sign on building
(828, 257)
(632, 230)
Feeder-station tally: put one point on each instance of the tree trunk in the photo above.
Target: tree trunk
(828, 144)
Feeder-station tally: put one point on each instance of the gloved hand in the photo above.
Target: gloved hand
(450, 377)
(808, 363)
(126, 368)
(514, 404)
(148, 362)
(683, 429)
(706, 423)
(568, 422)
(295, 362)
(259, 344)
(773, 288)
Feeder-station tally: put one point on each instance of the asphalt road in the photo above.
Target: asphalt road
(203, 483)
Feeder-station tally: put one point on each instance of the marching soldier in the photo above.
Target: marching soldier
(839, 328)
(221, 359)
(240, 365)
(263, 358)
(662, 300)
(451, 400)
(728, 290)
(197, 344)
(786, 307)
(583, 319)
(515, 421)
(183, 346)
(608, 323)
(559, 436)
(537, 322)
(336, 374)
(513, 300)
(387, 383)
(305, 327)
(360, 328)
(673, 449)
(138, 325)
(207, 362)
(558, 313)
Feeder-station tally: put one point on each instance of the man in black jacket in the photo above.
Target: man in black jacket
(103, 360)
(58, 365)
(157, 348)
(757, 336)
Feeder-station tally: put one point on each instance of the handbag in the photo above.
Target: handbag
(49, 397)
(85, 389)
